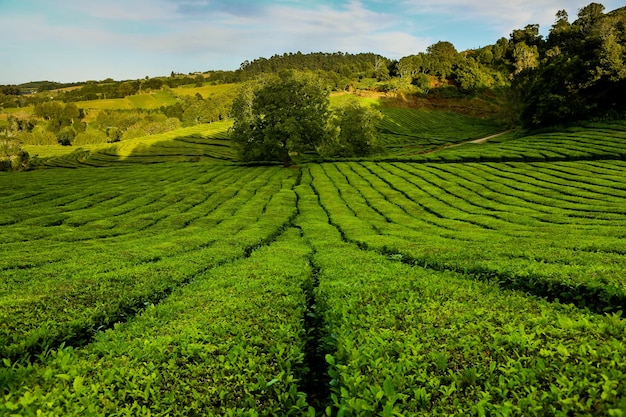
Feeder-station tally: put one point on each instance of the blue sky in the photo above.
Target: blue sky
(78, 40)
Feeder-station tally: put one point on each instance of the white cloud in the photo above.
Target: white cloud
(502, 16)
(135, 10)
(133, 36)
(353, 28)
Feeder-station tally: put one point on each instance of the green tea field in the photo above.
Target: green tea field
(208, 142)
(162, 278)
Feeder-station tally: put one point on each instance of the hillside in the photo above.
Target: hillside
(413, 285)
(472, 264)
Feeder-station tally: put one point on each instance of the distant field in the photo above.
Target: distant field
(198, 143)
(153, 100)
(205, 90)
(138, 101)
(605, 140)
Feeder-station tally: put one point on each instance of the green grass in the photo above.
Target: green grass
(205, 90)
(138, 101)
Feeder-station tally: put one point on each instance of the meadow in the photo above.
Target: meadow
(161, 277)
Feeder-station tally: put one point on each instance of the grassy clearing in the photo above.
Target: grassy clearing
(205, 90)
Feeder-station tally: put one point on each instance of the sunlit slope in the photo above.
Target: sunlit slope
(407, 132)
(206, 142)
(590, 141)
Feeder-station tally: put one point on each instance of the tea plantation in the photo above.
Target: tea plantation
(162, 278)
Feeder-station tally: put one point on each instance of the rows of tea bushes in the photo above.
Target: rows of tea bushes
(229, 343)
(81, 252)
(555, 230)
(212, 289)
(594, 141)
(206, 143)
(405, 340)
(407, 131)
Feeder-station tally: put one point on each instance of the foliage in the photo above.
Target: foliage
(278, 115)
(355, 131)
(12, 156)
(191, 144)
(38, 136)
(581, 70)
(408, 340)
(471, 77)
(345, 64)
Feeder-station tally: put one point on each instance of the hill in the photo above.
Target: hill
(355, 286)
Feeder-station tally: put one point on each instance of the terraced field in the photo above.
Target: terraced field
(206, 142)
(411, 132)
(349, 288)
(601, 141)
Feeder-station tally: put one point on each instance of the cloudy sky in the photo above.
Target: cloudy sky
(78, 40)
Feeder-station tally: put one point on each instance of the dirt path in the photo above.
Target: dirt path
(485, 139)
(478, 141)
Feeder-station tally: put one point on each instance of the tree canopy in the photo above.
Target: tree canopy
(580, 70)
(280, 114)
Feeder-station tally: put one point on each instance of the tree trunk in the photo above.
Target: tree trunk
(287, 160)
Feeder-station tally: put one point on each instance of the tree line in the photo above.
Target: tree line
(577, 72)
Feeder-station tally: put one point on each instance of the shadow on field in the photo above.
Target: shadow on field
(190, 148)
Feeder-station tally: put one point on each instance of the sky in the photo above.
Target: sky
(80, 40)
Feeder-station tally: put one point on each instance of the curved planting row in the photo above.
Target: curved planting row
(526, 227)
(405, 340)
(192, 144)
(412, 131)
(229, 343)
(593, 142)
(83, 254)
(341, 289)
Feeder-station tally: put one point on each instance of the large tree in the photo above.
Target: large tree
(581, 72)
(354, 130)
(278, 115)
